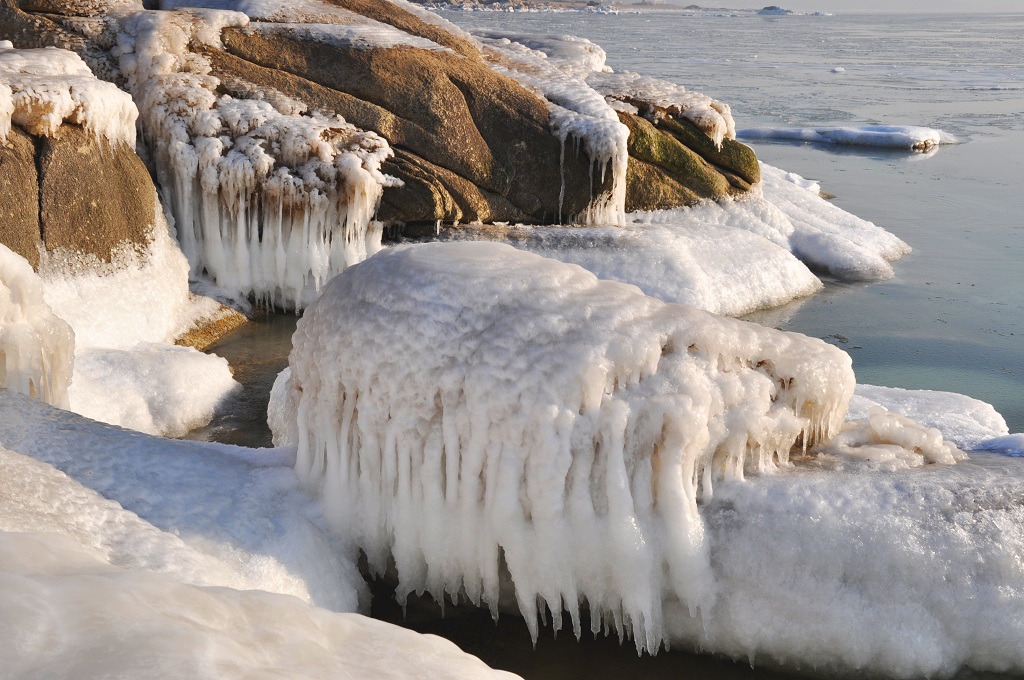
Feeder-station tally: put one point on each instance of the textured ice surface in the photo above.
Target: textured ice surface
(458, 406)
(36, 346)
(267, 200)
(42, 88)
(126, 555)
(891, 136)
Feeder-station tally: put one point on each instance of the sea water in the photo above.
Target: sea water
(952, 319)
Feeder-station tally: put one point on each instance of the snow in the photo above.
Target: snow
(269, 202)
(36, 346)
(40, 89)
(457, 406)
(122, 554)
(888, 136)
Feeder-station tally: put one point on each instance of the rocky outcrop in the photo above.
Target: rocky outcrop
(72, 191)
(469, 142)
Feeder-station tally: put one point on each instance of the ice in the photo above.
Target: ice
(790, 213)
(269, 203)
(181, 560)
(716, 268)
(40, 89)
(658, 98)
(1010, 445)
(459, 406)
(36, 346)
(202, 513)
(125, 314)
(890, 136)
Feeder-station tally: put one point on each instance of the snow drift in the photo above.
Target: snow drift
(466, 407)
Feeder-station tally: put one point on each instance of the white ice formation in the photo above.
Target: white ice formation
(42, 88)
(888, 136)
(464, 406)
(130, 556)
(36, 346)
(269, 201)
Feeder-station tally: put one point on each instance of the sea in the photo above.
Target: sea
(952, 318)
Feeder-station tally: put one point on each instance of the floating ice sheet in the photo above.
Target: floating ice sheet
(889, 136)
(458, 406)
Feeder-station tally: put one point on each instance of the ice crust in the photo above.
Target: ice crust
(268, 201)
(142, 557)
(36, 346)
(466, 404)
(40, 89)
(889, 136)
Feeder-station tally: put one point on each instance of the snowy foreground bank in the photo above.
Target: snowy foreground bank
(574, 432)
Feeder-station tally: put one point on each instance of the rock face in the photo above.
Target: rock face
(469, 143)
(72, 191)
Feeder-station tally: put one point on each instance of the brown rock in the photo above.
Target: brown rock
(93, 195)
(394, 15)
(19, 196)
(452, 112)
(734, 156)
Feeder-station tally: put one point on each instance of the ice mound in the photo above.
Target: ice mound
(269, 201)
(889, 136)
(36, 346)
(465, 406)
(791, 214)
(42, 88)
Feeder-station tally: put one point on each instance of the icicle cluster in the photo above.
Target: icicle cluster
(267, 200)
(37, 348)
(467, 407)
(40, 89)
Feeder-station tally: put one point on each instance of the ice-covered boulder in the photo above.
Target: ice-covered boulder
(464, 406)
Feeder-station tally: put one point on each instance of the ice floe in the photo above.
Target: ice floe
(889, 136)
